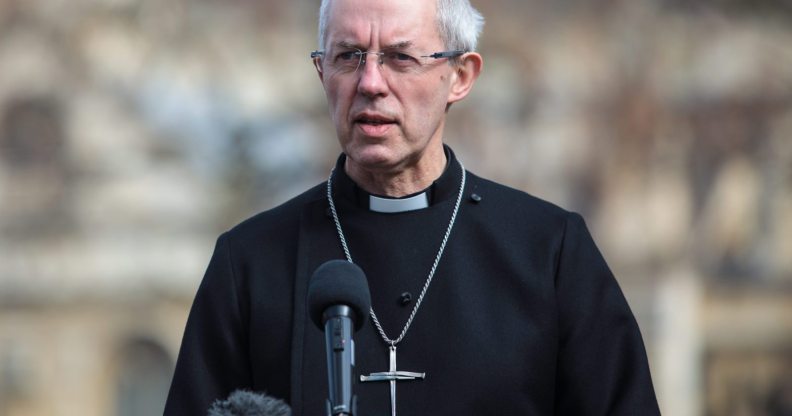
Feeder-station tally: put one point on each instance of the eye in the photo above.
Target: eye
(347, 56)
(400, 60)
(399, 56)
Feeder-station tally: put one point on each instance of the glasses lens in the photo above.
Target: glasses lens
(346, 60)
(400, 61)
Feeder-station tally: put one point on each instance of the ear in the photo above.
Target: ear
(465, 75)
(318, 66)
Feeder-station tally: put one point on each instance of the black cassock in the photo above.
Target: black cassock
(523, 316)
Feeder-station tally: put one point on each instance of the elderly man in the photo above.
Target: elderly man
(501, 300)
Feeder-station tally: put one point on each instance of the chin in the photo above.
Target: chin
(374, 156)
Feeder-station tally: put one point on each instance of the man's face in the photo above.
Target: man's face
(384, 119)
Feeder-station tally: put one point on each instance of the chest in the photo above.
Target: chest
(485, 334)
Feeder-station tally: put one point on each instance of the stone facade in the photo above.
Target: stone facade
(132, 132)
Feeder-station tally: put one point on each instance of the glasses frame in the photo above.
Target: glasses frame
(319, 54)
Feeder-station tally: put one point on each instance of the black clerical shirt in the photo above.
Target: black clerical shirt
(523, 316)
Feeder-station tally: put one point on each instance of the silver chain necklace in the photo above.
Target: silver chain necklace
(393, 342)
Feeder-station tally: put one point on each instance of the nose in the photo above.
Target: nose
(372, 82)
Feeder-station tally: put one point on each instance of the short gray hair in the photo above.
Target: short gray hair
(458, 22)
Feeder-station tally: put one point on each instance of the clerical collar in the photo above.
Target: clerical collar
(404, 204)
(444, 188)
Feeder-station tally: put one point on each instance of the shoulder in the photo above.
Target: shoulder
(517, 207)
(276, 221)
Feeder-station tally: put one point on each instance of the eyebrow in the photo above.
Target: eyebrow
(398, 45)
(348, 45)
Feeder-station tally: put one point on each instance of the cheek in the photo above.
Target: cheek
(434, 100)
(336, 102)
(426, 112)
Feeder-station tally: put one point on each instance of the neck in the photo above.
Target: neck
(402, 181)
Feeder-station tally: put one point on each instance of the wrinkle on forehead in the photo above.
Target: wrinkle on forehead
(383, 24)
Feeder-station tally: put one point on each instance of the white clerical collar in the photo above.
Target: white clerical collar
(390, 205)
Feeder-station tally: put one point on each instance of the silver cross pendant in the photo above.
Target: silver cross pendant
(393, 376)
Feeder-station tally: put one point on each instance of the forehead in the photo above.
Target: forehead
(379, 23)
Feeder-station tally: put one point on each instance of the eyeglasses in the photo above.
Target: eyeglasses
(348, 60)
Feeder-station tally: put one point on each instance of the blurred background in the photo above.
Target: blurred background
(133, 132)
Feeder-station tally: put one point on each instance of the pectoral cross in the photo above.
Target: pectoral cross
(393, 376)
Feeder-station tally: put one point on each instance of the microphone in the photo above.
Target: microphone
(338, 301)
(248, 403)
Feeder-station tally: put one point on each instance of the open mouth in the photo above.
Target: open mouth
(374, 125)
(373, 120)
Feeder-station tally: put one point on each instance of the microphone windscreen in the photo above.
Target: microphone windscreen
(248, 403)
(339, 282)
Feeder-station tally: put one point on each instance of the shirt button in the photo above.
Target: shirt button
(475, 198)
(405, 298)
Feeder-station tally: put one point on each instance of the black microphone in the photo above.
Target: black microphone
(338, 300)
(248, 403)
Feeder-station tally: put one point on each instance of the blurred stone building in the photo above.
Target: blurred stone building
(133, 132)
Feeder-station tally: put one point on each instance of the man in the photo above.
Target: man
(501, 300)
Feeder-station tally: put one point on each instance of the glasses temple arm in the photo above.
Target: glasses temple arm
(446, 54)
